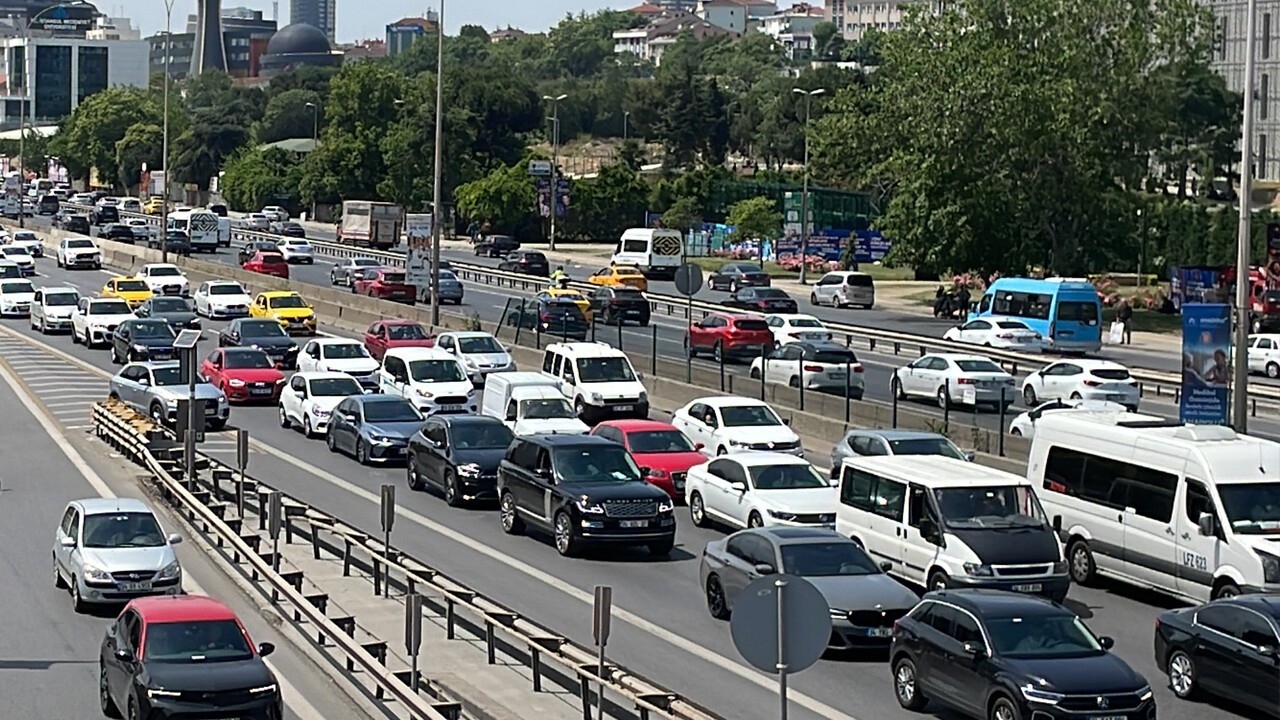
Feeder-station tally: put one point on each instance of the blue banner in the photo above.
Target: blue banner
(1206, 363)
(829, 244)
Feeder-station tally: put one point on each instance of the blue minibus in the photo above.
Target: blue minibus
(1066, 312)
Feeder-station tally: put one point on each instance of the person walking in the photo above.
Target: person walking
(962, 299)
(1124, 315)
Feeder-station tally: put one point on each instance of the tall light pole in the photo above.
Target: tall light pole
(626, 115)
(804, 200)
(315, 144)
(437, 217)
(555, 162)
(1240, 381)
(164, 159)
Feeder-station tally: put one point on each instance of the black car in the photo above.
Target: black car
(762, 299)
(60, 216)
(175, 241)
(143, 340)
(732, 276)
(1227, 648)
(554, 316)
(104, 214)
(1003, 655)
(217, 209)
(289, 229)
(459, 455)
(76, 224)
(118, 232)
(253, 247)
(48, 205)
(618, 305)
(527, 262)
(582, 489)
(178, 312)
(264, 334)
(496, 246)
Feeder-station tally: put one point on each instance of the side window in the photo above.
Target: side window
(737, 547)
(856, 487)
(567, 372)
(966, 629)
(1111, 482)
(717, 468)
(1223, 618)
(1198, 500)
(435, 433)
(543, 459)
(1256, 631)
(791, 352)
(760, 551)
(889, 499)
(918, 507)
(697, 411)
(68, 521)
(733, 472)
(861, 445)
(133, 631)
(547, 359)
(512, 411)
(774, 322)
(943, 619)
(298, 384)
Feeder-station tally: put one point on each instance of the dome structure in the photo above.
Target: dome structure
(298, 39)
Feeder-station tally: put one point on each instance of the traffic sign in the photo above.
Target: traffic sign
(187, 339)
(804, 616)
(688, 279)
(539, 167)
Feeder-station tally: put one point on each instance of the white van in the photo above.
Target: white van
(939, 522)
(656, 252)
(530, 403)
(597, 378)
(1190, 510)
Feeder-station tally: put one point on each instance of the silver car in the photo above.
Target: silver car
(346, 271)
(111, 550)
(450, 287)
(869, 443)
(480, 353)
(842, 288)
(155, 388)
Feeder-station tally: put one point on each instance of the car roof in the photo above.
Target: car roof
(792, 316)
(397, 321)
(1266, 604)
(821, 345)
(378, 398)
(586, 349)
(555, 441)
(725, 400)
(310, 375)
(155, 365)
(124, 277)
(336, 341)
(736, 316)
(630, 426)
(460, 334)
(935, 470)
(797, 535)
(420, 353)
(181, 608)
(62, 289)
(955, 357)
(277, 293)
(106, 506)
(160, 265)
(752, 458)
(226, 282)
(255, 321)
(998, 603)
(1091, 364)
(460, 420)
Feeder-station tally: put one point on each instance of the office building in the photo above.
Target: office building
(209, 51)
(403, 33)
(65, 71)
(1227, 57)
(244, 35)
(316, 13)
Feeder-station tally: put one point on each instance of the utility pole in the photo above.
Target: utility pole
(1240, 381)
(555, 162)
(315, 144)
(437, 216)
(164, 160)
(804, 200)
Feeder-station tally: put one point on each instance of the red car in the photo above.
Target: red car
(268, 263)
(386, 334)
(725, 335)
(385, 283)
(663, 453)
(243, 374)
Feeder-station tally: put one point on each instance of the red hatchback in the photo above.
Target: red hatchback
(725, 335)
(243, 374)
(663, 453)
(385, 283)
(268, 263)
(386, 334)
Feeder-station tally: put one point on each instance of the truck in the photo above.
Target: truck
(371, 224)
(12, 207)
(1205, 284)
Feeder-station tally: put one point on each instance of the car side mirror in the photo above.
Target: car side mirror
(542, 472)
(739, 486)
(302, 393)
(1106, 642)
(1205, 522)
(975, 650)
(144, 382)
(265, 649)
(970, 456)
(645, 471)
(930, 532)
(1057, 523)
(764, 569)
(699, 446)
(886, 566)
(67, 542)
(786, 421)
(174, 538)
(279, 366)
(124, 656)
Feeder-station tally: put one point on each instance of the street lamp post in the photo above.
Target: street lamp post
(804, 200)
(437, 216)
(625, 117)
(164, 159)
(555, 162)
(315, 143)
(1240, 379)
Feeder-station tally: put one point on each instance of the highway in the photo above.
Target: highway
(663, 629)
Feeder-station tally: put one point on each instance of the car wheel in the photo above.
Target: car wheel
(1029, 395)
(697, 511)
(944, 397)
(511, 522)
(754, 373)
(411, 476)
(1076, 396)
(794, 382)
(813, 299)
(452, 497)
(1273, 370)
(284, 418)
(580, 408)
(905, 687)
(330, 441)
(722, 450)
(1227, 589)
(58, 582)
(754, 520)
(1181, 670)
(215, 425)
(77, 603)
(689, 351)
(362, 452)
(733, 286)
(1004, 709)
(307, 430)
(566, 541)
(938, 580)
(157, 413)
(895, 386)
(717, 605)
(1015, 432)
(104, 695)
(718, 352)
(1080, 563)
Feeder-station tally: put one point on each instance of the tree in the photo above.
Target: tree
(604, 206)
(258, 177)
(505, 198)
(287, 116)
(755, 218)
(142, 145)
(87, 137)
(683, 215)
(823, 35)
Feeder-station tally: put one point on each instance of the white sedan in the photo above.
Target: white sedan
(996, 332)
(1264, 354)
(308, 399)
(1024, 425)
(727, 423)
(794, 328)
(16, 297)
(296, 250)
(758, 489)
(222, 299)
(952, 378)
(20, 257)
(339, 355)
(28, 240)
(821, 365)
(1081, 379)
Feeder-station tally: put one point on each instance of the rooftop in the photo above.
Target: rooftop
(181, 608)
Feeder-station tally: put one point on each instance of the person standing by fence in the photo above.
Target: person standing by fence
(1124, 315)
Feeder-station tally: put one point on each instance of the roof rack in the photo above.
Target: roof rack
(1145, 423)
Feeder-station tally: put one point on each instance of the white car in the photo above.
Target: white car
(51, 308)
(165, 279)
(20, 257)
(29, 241)
(431, 379)
(256, 221)
(1081, 379)
(222, 299)
(1264, 354)
(480, 353)
(142, 229)
(296, 250)
(997, 332)
(16, 297)
(308, 399)
(340, 355)
(79, 252)
(95, 319)
(815, 365)
(275, 213)
(760, 489)
(953, 378)
(728, 423)
(1024, 425)
(794, 328)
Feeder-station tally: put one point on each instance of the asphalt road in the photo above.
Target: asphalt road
(663, 629)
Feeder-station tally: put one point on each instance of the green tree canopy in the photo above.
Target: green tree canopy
(287, 116)
(87, 138)
(506, 198)
(755, 218)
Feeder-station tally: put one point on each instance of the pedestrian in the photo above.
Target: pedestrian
(560, 277)
(474, 231)
(962, 299)
(1124, 315)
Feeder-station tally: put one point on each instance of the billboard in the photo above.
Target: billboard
(870, 245)
(1206, 363)
(66, 18)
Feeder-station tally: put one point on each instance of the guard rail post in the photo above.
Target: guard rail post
(688, 359)
(1003, 406)
(620, 323)
(502, 318)
(594, 322)
(800, 383)
(537, 333)
(762, 371)
(653, 354)
(519, 325)
(894, 392)
(848, 368)
(946, 403)
(720, 362)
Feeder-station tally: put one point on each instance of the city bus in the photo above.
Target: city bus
(1065, 311)
(200, 225)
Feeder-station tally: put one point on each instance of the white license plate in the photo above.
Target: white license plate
(260, 391)
(624, 408)
(880, 632)
(633, 523)
(1115, 396)
(1032, 588)
(836, 375)
(1107, 717)
(135, 586)
(451, 408)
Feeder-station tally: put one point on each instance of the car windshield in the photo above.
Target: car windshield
(79, 244)
(204, 641)
(25, 237)
(390, 411)
(990, 508)
(749, 416)
(481, 436)
(345, 351)
(164, 272)
(287, 301)
(607, 369)
(167, 305)
(1044, 636)
(406, 332)
(15, 251)
(18, 286)
(61, 299)
(826, 560)
(335, 387)
(596, 464)
(432, 371)
(927, 446)
(981, 366)
(1252, 508)
(1110, 373)
(445, 276)
(546, 409)
(479, 345)
(805, 323)
(248, 360)
(122, 530)
(364, 262)
(109, 307)
(659, 441)
(261, 329)
(153, 330)
(168, 376)
(786, 477)
(226, 290)
(131, 286)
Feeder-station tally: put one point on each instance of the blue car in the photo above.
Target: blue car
(450, 287)
(373, 428)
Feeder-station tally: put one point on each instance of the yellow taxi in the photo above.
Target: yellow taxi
(620, 276)
(583, 304)
(287, 308)
(130, 289)
(154, 205)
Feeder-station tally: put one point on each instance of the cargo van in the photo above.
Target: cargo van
(530, 403)
(656, 252)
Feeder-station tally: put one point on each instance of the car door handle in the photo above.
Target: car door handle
(1169, 531)
(1186, 536)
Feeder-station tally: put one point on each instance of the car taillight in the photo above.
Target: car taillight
(1005, 336)
(1133, 382)
(813, 368)
(895, 626)
(1093, 383)
(857, 368)
(966, 381)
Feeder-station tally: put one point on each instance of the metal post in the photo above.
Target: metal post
(164, 160)
(626, 115)
(555, 162)
(946, 403)
(1003, 407)
(721, 363)
(895, 408)
(848, 367)
(653, 353)
(1240, 380)
(764, 365)
(620, 322)
(564, 328)
(804, 198)
(437, 215)
(502, 318)
(782, 652)
(594, 322)
(315, 144)
(191, 396)
(800, 382)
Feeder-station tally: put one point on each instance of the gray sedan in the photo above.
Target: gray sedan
(864, 601)
(865, 443)
(450, 287)
(347, 271)
(154, 388)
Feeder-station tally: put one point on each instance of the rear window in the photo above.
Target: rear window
(979, 366)
(396, 277)
(1082, 312)
(535, 257)
(751, 325)
(770, 293)
(1111, 373)
(627, 294)
(1010, 325)
(834, 357)
(859, 281)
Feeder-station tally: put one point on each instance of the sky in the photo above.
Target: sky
(361, 19)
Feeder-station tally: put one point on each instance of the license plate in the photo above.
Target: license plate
(633, 523)
(624, 408)
(1032, 588)
(260, 391)
(1115, 396)
(880, 632)
(836, 375)
(451, 408)
(135, 586)
(1107, 717)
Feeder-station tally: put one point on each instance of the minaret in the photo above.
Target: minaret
(209, 52)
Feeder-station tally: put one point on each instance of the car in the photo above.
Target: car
(479, 352)
(842, 288)
(732, 276)
(150, 650)
(496, 246)
(165, 279)
(243, 374)
(257, 222)
(51, 308)
(16, 297)
(868, 442)
(433, 380)
(954, 378)
(1224, 648)
(617, 305)
(762, 299)
(340, 355)
(729, 336)
(729, 424)
(823, 366)
(94, 320)
(794, 328)
(111, 550)
(155, 388)
(10, 271)
(222, 299)
(384, 335)
(287, 308)
(451, 290)
(1082, 379)
(218, 209)
(177, 311)
(133, 290)
(577, 298)
(458, 455)
(1264, 354)
(997, 654)
(297, 250)
(268, 263)
(552, 316)
(129, 204)
(75, 223)
(154, 205)
(142, 230)
(663, 453)
(48, 205)
(553, 483)
(20, 257)
(864, 602)
(597, 378)
(173, 241)
(997, 332)
(373, 428)
(620, 276)
(526, 262)
(758, 489)
(344, 271)
(307, 401)
(261, 334)
(289, 230)
(29, 241)
(104, 215)
(118, 232)
(1024, 424)
(79, 253)
(383, 282)
(141, 340)
(275, 213)
(253, 247)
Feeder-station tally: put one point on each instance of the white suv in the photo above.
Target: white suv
(29, 241)
(598, 379)
(79, 253)
(165, 279)
(433, 380)
(52, 307)
(95, 319)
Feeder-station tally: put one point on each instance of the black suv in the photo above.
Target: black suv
(555, 316)
(263, 334)
(104, 214)
(118, 232)
(737, 275)
(253, 247)
(617, 305)
(528, 262)
(76, 224)
(459, 454)
(48, 205)
(583, 489)
(997, 654)
(762, 299)
(496, 246)
(143, 340)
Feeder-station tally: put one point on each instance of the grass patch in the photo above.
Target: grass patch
(1146, 321)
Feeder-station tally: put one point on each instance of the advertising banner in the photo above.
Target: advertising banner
(829, 244)
(1206, 363)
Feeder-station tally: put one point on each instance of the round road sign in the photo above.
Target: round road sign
(688, 279)
(806, 623)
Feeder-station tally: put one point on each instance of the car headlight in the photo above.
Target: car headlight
(318, 412)
(1144, 694)
(656, 473)
(195, 323)
(380, 439)
(171, 403)
(157, 693)
(1270, 567)
(590, 508)
(280, 318)
(738, 443)
(644, 398)
(93, 573)
(1036, 695)
(263, 689)
(666, 506)
(469, 470)
(596, 397)
(170, 571)
(140, 348)
(423, 393)
(233, 382)
(1060, 567)
(782, 515)
(978, 570)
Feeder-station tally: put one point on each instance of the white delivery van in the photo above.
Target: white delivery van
(598, 378)
(656, 252)
(530, 403)
(939, 522)
(1190, 510)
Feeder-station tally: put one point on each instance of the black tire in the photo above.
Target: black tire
(754, 520)
(755, 374)
(307, 430)
(362, 452)
(75, 339)
(1076, 396)
(717, 604)
(58, 582)
(813, 299)
(1080, 563)
(452, 496)
(331, 442)
(77, 603)
(1004, 709)
(1015, 432)
(1029, 396)
(157, 414)
(512, 524)
(412, 477)
(662, 548)
(1273, 370)
(938, 580)
(895, 386)
(565, 538)
(717, 352)
(689, 350)
(944, 397)
(906, 686)
(105, 702)
(1181, 670)
(215, 424)
(1227, 589)
(733, 286)
(284, 418)
(698, 510)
